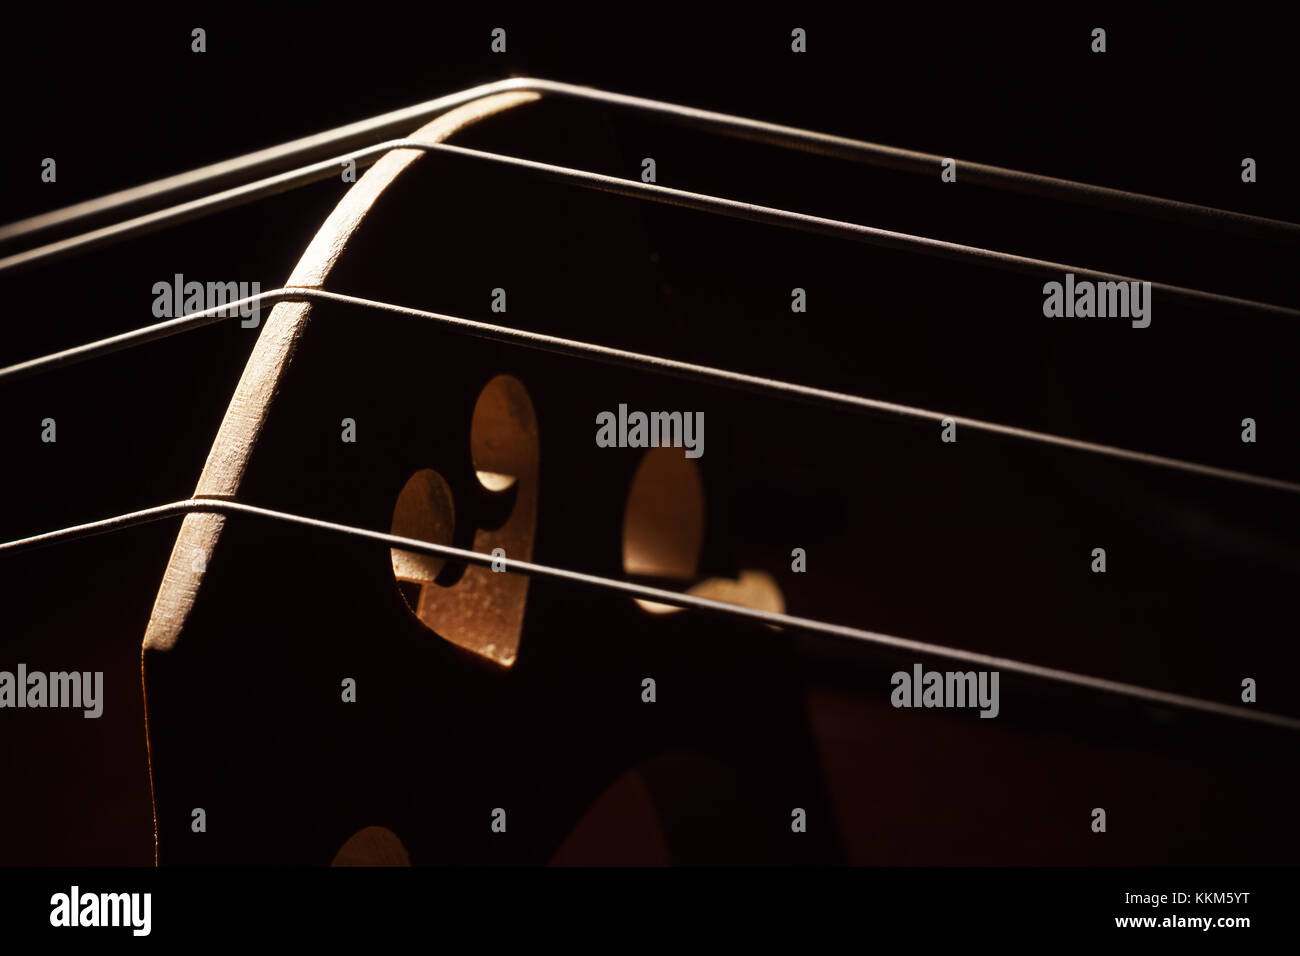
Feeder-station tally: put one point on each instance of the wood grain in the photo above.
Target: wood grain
(246, 415)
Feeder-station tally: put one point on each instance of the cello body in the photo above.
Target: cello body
(305, 698)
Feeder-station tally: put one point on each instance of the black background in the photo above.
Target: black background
(1202, 573)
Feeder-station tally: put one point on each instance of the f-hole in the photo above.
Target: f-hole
(663, 526)
(483, 611)
(663, 534)
(372, 846)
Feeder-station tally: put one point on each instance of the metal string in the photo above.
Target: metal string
(787, 137)
(634, 189)
(398, 122)
(639, 360)
(644, 592)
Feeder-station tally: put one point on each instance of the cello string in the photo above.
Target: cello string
(398, 122)
(653, 363)
(769, 133)
(226, 506)
(220, 174)
(633, 189)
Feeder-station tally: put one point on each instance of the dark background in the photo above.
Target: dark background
(987, 551)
